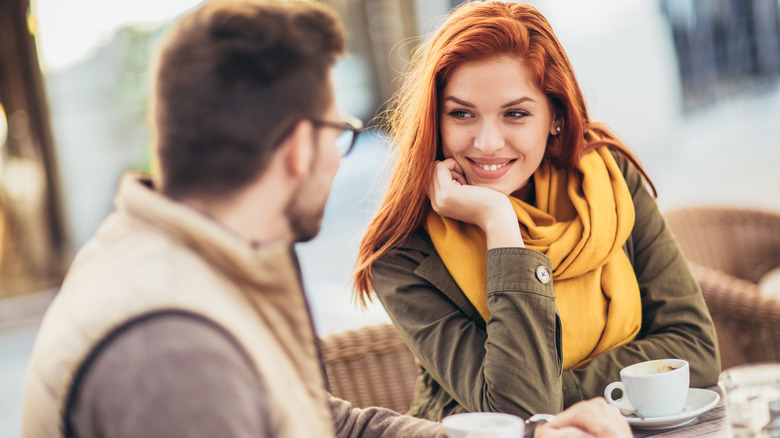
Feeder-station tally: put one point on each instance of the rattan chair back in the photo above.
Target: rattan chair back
(370, 366)
(728, 250)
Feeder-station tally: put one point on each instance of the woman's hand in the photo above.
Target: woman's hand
(488, 209)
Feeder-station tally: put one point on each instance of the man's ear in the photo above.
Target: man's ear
(298, 149)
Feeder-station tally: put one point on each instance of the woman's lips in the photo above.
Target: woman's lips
(490, 168)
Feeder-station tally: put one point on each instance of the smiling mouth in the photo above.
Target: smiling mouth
(490, 167)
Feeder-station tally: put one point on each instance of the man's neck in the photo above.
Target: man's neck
(256, 213)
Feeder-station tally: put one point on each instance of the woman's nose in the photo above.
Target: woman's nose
(489, 138)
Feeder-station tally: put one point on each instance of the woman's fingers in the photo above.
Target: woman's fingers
(440, 174)
(458, 177)
(455, 170)
(444, 174)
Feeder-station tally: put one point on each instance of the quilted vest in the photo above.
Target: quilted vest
(154, 254)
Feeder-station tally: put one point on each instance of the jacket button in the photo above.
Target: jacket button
(543, 274)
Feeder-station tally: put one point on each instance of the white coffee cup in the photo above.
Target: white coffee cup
(483, 425)
(656, 388)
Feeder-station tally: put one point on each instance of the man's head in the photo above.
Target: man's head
(233, 80)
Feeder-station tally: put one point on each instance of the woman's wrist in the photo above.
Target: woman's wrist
(502, 230)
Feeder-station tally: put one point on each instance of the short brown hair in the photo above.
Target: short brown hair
(232, 80)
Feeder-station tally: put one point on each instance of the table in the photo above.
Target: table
(709, 424)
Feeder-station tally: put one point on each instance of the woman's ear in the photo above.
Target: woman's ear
(299, 149)
(556, 125)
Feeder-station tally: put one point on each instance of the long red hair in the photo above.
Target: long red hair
(473, 31)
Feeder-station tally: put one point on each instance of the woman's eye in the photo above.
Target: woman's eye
(459, 114)
(516, 114)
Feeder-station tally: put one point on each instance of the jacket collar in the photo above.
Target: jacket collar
(138, 200)
(432, 269)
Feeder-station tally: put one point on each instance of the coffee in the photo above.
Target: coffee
(653, 367)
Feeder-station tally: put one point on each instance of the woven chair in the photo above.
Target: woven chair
(729, 250)
(370, 366)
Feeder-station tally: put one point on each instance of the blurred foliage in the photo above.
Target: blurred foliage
(135, 48)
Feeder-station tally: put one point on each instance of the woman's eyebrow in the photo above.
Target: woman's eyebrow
(471, 105)
(517, 102)
(459, 101)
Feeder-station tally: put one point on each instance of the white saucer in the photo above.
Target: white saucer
(698, 402)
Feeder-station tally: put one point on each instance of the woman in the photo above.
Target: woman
(517, 249)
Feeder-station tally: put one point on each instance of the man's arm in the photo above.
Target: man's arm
(593, 418)
(352, 422)
(170, 375)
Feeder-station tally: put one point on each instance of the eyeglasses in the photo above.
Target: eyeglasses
(350, 128)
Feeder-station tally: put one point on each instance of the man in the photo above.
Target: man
(185, 314)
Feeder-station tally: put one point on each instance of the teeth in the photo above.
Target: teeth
(491, 167)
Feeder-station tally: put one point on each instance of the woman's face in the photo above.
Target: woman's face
(494, 122)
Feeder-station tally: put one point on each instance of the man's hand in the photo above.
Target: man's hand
(590, 418)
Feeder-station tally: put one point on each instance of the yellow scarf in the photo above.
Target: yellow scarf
(581, 226)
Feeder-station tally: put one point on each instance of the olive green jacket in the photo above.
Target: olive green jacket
(512, 362)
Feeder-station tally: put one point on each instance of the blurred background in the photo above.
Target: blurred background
(690, 85)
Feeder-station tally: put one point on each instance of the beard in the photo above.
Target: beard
(304, 218)
(306, 207)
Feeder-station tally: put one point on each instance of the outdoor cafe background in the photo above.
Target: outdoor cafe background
(691, 85)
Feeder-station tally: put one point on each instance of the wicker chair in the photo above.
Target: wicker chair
(370, 366)
(729, 250)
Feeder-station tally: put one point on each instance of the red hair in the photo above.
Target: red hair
(474, 31)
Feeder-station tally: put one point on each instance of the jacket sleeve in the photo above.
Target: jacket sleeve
(511, 363)
(352, 422)
(675, 319)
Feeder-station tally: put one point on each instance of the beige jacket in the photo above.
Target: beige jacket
(153, 254)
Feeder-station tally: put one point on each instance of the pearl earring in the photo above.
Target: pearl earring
(557, 129)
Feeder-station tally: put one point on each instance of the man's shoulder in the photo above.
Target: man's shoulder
(121, 238)
(128, 258)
